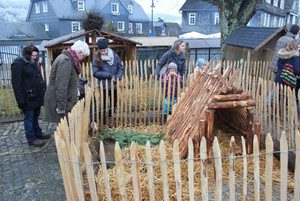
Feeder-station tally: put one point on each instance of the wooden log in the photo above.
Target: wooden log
(231, 104)
(249, 115)
(231, 90)
(209, 129)
(231, 97)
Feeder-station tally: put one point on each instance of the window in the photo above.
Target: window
(294, 19)
(115, 8)
(139, 28)
(265, 16)
(268, 1)
(130, 9)
(80, 5)
(217, 19)
(130, 30)
(269, 20)
(121, 26)
(45, 7)
(192, 18)
(275, 3)
(275, 23)
(75, 26)
(46, 27)
(163, 31)
(37, 7)
(282, 4)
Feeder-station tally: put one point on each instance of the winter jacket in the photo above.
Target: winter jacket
(28, 84)
(285, 57)
(172, 56)
(61, 92)
(165, 80)
(281, 43)
(107, 72)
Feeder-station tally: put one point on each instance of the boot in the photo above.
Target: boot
(36, 143)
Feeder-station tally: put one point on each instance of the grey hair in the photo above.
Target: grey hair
(81, 46)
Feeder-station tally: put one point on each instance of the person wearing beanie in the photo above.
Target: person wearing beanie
(171, 75)
(61, 93)
(201, 62)
(175, 54)
(107, 67)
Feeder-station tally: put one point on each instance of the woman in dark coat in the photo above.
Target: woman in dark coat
(29, 88)
(107, 66)
(175, 54)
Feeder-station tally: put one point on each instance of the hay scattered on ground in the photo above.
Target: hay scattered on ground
(224, 134)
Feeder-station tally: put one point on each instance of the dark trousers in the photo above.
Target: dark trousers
(110, 97)
(31, 124)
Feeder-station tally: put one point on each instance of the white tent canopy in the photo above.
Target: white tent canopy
(194, 34)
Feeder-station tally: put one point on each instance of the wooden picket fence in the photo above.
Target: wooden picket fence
(76, 165)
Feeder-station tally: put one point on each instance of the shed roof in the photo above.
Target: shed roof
(22, 31)
(155, 41)
(77, 34)
(253, 37)
(203, 43)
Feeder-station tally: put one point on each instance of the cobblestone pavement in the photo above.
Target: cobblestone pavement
(28, 176)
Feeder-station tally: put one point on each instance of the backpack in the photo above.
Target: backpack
(288, 75)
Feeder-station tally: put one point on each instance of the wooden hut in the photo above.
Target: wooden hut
(124, 47)
(253, 43)
(211, 95)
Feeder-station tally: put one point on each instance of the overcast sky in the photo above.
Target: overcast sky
(167, 9)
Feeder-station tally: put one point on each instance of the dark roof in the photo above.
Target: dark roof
(77, 34)
(203, 43)
(252, 37)
(196, 5)
(27, 31)
(138, 13)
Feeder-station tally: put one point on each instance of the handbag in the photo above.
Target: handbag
(288, 75)
(164, 69)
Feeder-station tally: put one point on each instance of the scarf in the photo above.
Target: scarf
(109, 58)
(75, 60)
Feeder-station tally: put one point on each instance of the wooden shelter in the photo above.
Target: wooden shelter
(124, 47)
(210, 95)
(253, 43)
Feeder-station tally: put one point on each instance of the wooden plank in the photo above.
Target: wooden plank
(90, 172)
(256, 168)
(297, 168)
(105, 172)
(232, 169)
(191, 169)
(269, 168)
(65, 174)
(283, 166)
(137, 193)
(177, 171)
(245, 170)
(203, 173)
(120, 172)
(150, 172)
(77, 172)
(218, 169)
(164, 170)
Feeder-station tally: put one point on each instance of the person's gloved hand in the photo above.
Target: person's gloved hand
(58, 111)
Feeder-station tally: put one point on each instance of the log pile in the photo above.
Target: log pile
(210, 92)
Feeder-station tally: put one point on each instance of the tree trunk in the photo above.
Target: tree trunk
(233, 14)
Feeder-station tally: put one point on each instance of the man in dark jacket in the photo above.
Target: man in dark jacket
(29, 88)
(282, 43)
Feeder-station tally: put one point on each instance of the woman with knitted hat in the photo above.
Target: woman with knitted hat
(172, 75)
(107, 66)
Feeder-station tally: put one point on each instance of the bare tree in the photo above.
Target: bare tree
(233, 14)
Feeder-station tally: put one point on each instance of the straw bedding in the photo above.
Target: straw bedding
(223, 133)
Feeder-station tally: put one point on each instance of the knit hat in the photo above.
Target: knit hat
(81, 83)
(102, 44)
(201, 62)
(172, 65)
